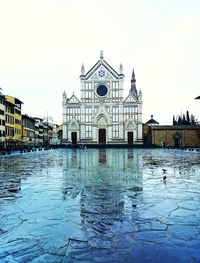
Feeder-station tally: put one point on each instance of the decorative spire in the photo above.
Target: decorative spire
(82, 69)
(140, 95)
(101, 54)
(64, 95)
(120, 69)
(133, 77)
(133, 89)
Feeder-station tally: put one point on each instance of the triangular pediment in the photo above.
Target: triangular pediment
(130, 124)
(73, 100)
(130, 99)
(73, 125)
(101, 66)
(101, 73)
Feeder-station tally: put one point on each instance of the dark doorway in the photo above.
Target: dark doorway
(130, 137)
(74, 137)
(177, 139)
(145, 139)
(102, 136)
(177, 142)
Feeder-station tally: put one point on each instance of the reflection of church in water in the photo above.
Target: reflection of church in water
(94, 169)
(106, 184)
(102, 115)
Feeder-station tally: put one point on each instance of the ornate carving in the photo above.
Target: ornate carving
(102, 122)
(101, 54)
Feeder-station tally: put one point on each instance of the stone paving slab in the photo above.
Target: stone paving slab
(100, 205)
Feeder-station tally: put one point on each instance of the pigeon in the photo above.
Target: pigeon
(164, 178)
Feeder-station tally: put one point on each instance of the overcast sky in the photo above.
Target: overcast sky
(44, 42)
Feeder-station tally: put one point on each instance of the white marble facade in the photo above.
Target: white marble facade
(102, 115)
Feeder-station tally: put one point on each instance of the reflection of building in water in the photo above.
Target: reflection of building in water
(102, 155)
(113, 162)
(130, 154)
(107, 182)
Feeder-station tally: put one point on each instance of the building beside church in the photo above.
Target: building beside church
(102, 115)
(171, 135)
(176, 135)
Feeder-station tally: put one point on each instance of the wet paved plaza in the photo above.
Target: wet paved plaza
(100, 205)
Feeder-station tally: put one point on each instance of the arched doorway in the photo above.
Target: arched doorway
(73, 131)
(102, 136)
(102, 123)
(130, 128)
(177, 139)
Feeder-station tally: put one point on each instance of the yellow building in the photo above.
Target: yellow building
(13, 121)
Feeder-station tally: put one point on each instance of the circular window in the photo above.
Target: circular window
(102, 90)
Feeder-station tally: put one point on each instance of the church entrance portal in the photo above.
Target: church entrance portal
(102, 136)
(130, 137)
(74, 138)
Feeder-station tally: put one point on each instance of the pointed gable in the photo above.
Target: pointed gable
(101, 65)
(130, 124)
(73, 100)
(101, 112)
(130, 99)
(73, 125)
(100, 70)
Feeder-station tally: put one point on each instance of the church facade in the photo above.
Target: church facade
(102, 115)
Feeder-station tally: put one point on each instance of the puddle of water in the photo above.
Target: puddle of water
(100, 205)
